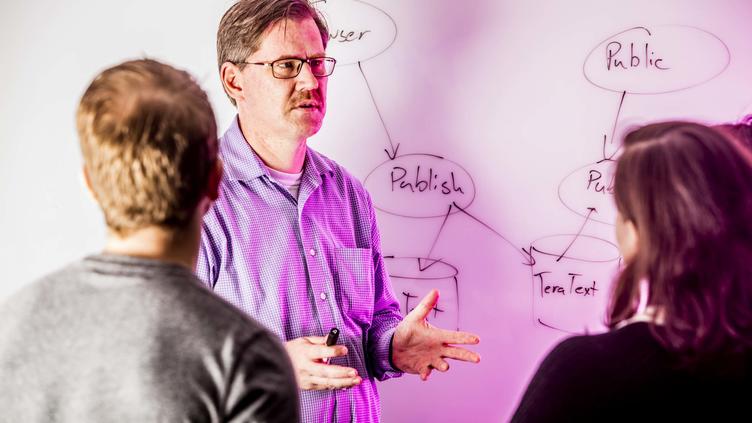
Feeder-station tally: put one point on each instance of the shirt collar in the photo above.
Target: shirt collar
(242, 163)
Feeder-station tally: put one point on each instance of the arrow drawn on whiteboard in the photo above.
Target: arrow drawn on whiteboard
(392, 151)
(436, 240)
(618, 112)
(555, 328)
(431, 261)
(529, 259)
(591, 210)
(454, 204)
(609, 156)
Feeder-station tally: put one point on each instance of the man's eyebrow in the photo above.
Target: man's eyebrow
(294, 56)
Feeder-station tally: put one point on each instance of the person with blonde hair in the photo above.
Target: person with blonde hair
(130, 334)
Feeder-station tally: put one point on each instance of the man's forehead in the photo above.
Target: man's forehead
(292, 33)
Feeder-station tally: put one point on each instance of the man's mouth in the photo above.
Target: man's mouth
(307, 105)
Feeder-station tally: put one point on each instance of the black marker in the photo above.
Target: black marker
(331, 339)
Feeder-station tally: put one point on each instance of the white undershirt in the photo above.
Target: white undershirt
(291, 181)
(644, 312)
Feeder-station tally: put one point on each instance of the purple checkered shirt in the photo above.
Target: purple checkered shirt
(303, 266)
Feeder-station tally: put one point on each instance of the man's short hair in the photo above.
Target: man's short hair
(242, 26)
(149, 143)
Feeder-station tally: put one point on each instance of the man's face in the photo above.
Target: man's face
(284, 108)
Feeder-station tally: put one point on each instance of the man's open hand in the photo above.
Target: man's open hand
(418, 347)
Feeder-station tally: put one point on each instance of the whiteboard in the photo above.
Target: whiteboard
(485, 132)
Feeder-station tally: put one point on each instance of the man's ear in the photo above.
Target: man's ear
(86, 182)
(232, 81)
(215, 177)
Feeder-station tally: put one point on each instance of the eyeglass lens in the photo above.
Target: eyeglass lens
(290, 68)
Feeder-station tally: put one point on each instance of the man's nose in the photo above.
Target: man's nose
(306, 80)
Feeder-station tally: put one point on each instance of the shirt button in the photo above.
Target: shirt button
(312, 252)
(323, 296)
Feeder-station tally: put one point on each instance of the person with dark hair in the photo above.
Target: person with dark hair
(741, 131)
(680, 315)
(131, 335)
(293, 240)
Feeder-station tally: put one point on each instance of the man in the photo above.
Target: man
(292, 240)
(131, 335)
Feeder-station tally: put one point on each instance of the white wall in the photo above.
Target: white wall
(515, 96)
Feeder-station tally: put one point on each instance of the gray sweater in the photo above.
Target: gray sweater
(122, 339)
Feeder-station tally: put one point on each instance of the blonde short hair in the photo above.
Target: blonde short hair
(149, 143)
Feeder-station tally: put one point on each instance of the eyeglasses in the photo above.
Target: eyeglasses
(290, 68)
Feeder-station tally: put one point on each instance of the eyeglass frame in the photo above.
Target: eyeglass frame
(300, 67)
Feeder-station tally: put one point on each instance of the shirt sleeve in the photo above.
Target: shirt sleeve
(386, 312)
(261, 387)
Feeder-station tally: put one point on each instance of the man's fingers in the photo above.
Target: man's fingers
(320, 383)
(318, 340)
(332, 371)
(461, 354)
(440, 365)
(453, 337)
(320, 352)
(424, 307)
(425, 373)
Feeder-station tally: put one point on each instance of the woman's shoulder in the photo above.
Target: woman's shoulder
(621, 353)
(622, 341)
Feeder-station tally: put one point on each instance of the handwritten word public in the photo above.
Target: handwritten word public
(596, 183)
(617, 59)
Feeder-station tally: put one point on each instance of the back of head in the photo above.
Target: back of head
(741, 131)
(149, 143)
(687, 189)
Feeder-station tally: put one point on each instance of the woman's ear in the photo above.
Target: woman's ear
(627, 238)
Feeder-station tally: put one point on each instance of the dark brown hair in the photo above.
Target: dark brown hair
(742, 130)
(149, 142)
(241, 27)
(688, 190)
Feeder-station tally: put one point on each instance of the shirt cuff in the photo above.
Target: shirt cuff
(384, 367)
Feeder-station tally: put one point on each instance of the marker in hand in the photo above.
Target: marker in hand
(331, 339)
